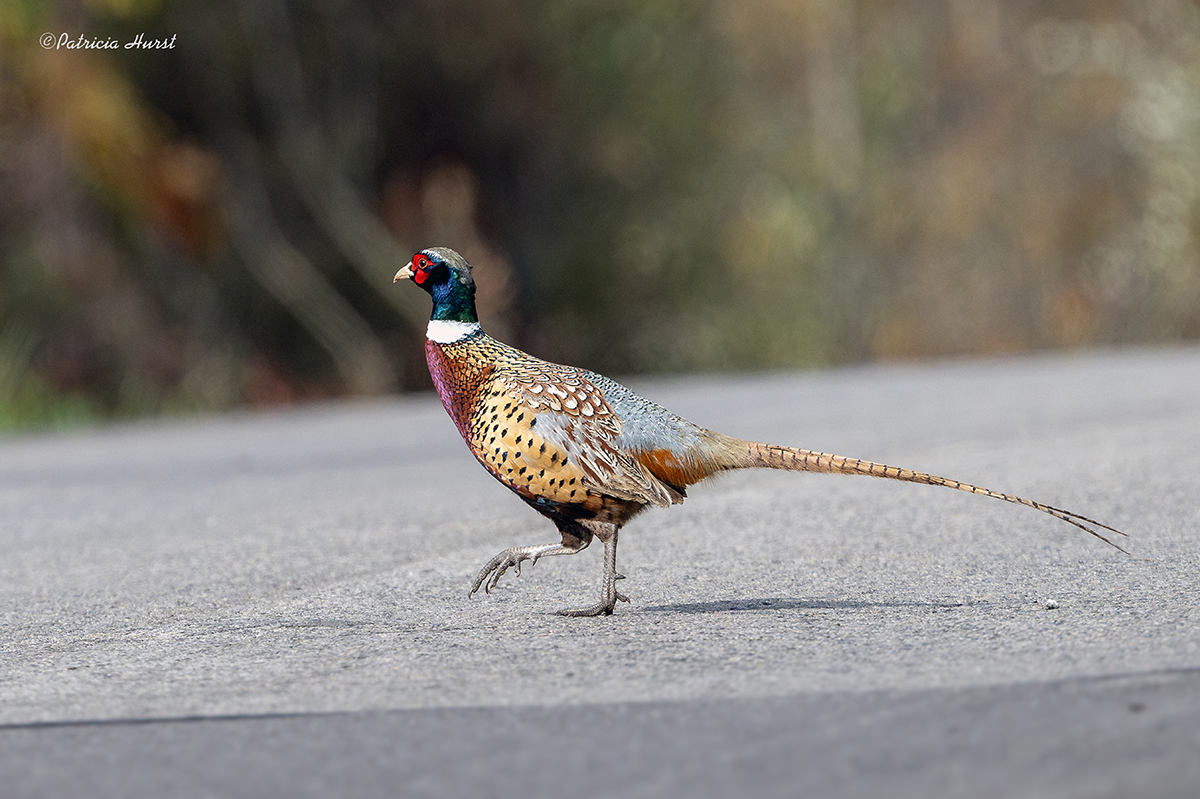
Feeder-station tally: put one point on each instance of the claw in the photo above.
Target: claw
(491, 573)
(489, 576)
(594, 610)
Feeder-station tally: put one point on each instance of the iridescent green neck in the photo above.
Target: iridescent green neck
(454, 301)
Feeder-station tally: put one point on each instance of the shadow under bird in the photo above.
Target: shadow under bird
(585, 451)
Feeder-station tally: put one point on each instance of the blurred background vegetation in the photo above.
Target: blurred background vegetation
(642, 187)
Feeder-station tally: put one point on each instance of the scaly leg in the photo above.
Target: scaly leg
(608, 589)
(490, 574)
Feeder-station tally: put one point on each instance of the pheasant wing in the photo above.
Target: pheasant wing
(550, 433)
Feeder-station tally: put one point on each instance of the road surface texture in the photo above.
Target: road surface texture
(274, 604)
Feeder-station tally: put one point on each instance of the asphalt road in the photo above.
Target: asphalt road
(275, 604)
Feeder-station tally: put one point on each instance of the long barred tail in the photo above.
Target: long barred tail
(771, 456)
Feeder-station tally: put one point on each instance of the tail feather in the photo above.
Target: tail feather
(771, 456)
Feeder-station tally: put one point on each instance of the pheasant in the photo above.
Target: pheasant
(585, 451)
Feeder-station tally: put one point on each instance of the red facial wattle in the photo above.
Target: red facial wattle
(420, 268)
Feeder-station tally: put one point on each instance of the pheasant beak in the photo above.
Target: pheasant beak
(404, 274)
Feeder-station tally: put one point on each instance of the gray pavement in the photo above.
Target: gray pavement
(275, 604)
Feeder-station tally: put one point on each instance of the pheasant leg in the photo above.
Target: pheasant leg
(490, 574)
(608, 589)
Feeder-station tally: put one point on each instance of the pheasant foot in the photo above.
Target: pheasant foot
(512, 558)
(603, 608)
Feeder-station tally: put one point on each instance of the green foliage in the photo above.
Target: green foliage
(27, 400)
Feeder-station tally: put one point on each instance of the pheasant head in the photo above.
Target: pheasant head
(446, 275)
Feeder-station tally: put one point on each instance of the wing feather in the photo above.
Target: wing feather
(571, 417)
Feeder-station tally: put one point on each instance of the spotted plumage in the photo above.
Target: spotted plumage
(545, 431)
(584, 450)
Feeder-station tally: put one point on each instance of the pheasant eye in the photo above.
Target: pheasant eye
(421, 266)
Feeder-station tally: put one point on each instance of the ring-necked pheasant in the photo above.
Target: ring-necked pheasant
(583, 450)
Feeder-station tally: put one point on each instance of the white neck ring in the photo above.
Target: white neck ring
(446, 332)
